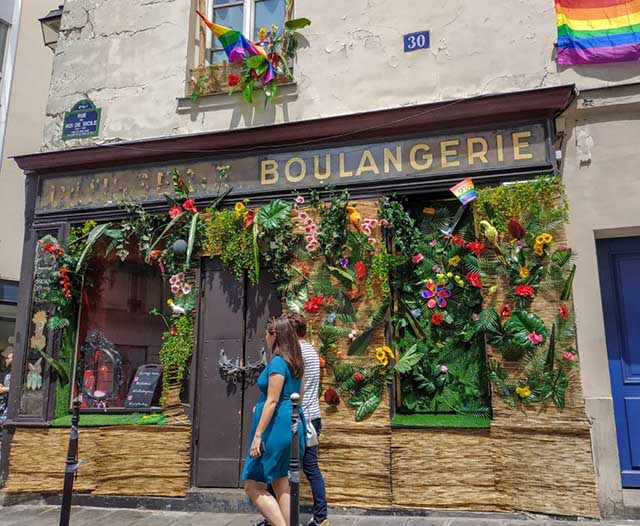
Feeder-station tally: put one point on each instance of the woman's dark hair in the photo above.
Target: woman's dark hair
(299, 324)
(286, 344)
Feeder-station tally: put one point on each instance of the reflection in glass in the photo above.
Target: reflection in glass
(268, 12)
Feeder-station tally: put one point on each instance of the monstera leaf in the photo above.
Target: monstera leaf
(274, 214)
(520, 325)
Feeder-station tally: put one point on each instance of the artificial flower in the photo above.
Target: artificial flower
(429, 211)
(239, 209)
(439, 345)
(174, 331)
(389, 351)
(262, 33)
(313, 304)
(384, 223)
(524, 272)
(524, 291)
(474, 279)
(330, 318)
(535, 338)
(475, 316)
(418, 258)
(441, 276)
(372, 240)
(436, 294)
(344, 262)
(538, 249)
(563, 311)
(303, 268)
(361, 270)
(416, 313)
(444, 369)
(523, 392)
(358, 377)
(544, 239)
(454, 261)
(505, 311)
(459, 281)
(322, 361)
(300, 200)
(457, 240)
(175, 289)
(155, 253)
(186, 288)
(331, 397)
(354, 334)
(449, 274)
(436, 268)
(493, 289)
(174, 212)
(175, 280)
(233, 79)
(382, 357)
(304, 217)
(433, 242)
(437, 319)
(190, 205)
(353, 293)
(354, 217)
(569, 356)
(475, 247)
(516, 230)
(180, 276)
(274, 27)
(249, 217)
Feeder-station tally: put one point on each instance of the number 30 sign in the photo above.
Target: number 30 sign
(414, 41)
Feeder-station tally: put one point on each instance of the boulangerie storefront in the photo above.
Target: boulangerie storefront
(446, 330)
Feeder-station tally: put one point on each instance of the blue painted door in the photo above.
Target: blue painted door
(619, 263)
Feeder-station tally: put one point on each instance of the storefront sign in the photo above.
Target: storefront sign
(82, 121)
(384, 164)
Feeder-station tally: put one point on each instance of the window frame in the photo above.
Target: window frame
(6, 27)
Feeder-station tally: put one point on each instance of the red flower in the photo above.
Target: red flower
(331, 397)
(174, 212)
(361, 270)
(358, 377)
(305, 269)
(437, 319)
(233, 79)
(249, 216)
(418, 258)
(190, 205)
(322, 361)
(516, 230)
(155, 253)
(313, 304)
(174, 331)
(457, 240)
(474, 279)
(505, 311)
(525, 290)
(563, 311)
(476, 247)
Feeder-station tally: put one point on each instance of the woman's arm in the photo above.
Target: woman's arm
(276, 383)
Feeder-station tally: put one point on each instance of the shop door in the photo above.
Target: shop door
(619, 263)
(233, 315)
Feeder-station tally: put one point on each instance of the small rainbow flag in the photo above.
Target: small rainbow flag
(235, 44)
(598, 31)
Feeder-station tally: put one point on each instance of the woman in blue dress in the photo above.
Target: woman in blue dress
(267, 462)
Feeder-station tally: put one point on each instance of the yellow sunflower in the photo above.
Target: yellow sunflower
(523, 392)
(262, 33)
(454, 261)
(239, 209)
(538, 249)
(381, 356)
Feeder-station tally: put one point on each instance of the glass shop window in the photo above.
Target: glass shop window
(246, 15)
(117, 333)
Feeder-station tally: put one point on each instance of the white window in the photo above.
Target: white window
(247, 16)
(4, 30)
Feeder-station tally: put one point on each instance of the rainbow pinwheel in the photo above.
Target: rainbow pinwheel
(238, 47)
(436, 294)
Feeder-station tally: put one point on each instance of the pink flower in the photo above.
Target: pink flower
(175, 279)
(418, 258)
(384, 223)
(174, 212)
(366, 230)
(310, 239)
(311, 247)
(569, 356)
(174, 331)
(310, 222)
(180, 276)
(433, 243)
(186, 288)
(175, 289)
(303, 216)
(300, 200)
(372, 240)
(436, 268)
(535, 338)
(190, 205)
(444, 369)
(309, 229)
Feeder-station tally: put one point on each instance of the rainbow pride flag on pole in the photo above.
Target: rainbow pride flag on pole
(598, 31)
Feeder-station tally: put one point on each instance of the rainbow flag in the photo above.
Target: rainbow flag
(235, 44)
(598, 31)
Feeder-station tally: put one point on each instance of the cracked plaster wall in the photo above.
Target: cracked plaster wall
(130, 58)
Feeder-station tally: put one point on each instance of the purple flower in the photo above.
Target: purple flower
(520, 243)
(344, 263)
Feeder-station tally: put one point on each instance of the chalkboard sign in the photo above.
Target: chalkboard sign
(143, 386)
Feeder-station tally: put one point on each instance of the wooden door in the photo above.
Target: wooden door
(619, 268)
(233, 315)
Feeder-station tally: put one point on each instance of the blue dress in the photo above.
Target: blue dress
(276, 438)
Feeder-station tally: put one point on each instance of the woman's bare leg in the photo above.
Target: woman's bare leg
(283, 493)
(267, 505)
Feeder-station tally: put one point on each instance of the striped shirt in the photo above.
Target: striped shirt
(310, 400)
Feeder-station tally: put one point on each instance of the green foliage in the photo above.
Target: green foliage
(361, 343)
(176, 351)
(402, 226)
(276, 239)
(333, 226)
(228, 238)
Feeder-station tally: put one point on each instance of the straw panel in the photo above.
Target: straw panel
(131, 460)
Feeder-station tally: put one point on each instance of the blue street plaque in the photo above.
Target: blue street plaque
(415, 41)
(82, 121)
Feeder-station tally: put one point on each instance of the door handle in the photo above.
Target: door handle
(235, 370)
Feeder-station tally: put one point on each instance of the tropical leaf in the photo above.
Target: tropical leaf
(296, 298)
(345, 305)
(343, 275)
(256, 61)
(520, 325)
(413, 322)
(409, 360)
(368, 406)
(93, 237)
(488, 321)
(165, 231)
(360, 344)
(57, 322)
(56, 365)
(274, 215)
(256, 254)
(297, 23)
(192, 238)
(551, 353)
(566, 291)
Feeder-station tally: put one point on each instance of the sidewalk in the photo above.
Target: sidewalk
(25, 515)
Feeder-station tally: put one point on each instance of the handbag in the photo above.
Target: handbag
(311, 435)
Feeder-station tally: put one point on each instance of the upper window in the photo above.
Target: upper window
(4, 30)
(247, 16)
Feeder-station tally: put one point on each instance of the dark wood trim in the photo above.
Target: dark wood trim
(477, 111)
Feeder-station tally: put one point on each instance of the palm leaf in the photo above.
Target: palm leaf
(165, 231)
(566, 291)
(93, 237)
(192, 238)
(56, 365)
(408, 360)
(551, 353)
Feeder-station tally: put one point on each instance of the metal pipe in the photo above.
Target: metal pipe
(294, 463)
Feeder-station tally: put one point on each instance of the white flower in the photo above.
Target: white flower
(186, 288)
(300, 200)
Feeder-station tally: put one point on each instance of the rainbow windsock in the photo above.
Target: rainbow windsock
(598, 31)
(235, 44)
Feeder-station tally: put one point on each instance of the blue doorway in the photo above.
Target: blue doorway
(619, 264)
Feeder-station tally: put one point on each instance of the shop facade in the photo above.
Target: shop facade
(195, 437)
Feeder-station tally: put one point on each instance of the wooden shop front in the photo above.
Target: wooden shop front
(195, 436)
